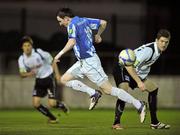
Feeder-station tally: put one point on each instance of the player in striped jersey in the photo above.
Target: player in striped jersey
(136, 76)
(38, 63)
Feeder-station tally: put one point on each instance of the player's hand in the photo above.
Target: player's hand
(56, 60)
(98, 38)
(141, 86)
(32, 73)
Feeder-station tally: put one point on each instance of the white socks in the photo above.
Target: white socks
(78, 85)
(120, 93)
(126, 97)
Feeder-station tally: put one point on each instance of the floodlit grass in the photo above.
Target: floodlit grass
(83, 122)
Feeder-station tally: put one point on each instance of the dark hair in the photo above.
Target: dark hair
(163, 33)
(26, 39)
(65, 12)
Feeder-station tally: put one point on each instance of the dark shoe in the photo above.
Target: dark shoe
(64, 108)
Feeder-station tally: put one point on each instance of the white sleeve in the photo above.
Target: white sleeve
(94, 23)
(22, 68)
(46, 55)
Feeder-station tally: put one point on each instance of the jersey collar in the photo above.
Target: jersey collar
(157, 51)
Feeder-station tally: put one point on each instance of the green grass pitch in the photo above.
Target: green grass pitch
(83, 122)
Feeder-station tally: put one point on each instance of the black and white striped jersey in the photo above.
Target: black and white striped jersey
(39, 61)
(146, 55)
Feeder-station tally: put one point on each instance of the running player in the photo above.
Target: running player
(80, 38)
(36, 62)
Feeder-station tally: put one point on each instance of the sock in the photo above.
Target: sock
(126, 97)
(46, 112)
(118, 111)
(59, 105)
(78, 85)
(152, 100)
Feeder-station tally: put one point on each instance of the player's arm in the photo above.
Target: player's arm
(27, 74)
(69, 45)
(49, 59)
(23, 71)
(46, 55)
(101, 29)
(99, 25)
(131, 70)
(142, 54)
(56, 72)
(71, 42)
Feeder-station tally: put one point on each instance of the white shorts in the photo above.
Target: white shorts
(91, 68)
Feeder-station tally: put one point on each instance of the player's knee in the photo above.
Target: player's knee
(63, 80)
(154, 92)
(106, 87)
(106, 90)
(52, 104)
(36, 105)
(124, 86)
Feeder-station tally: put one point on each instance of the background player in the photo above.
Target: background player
(136, 76)
(38, 63)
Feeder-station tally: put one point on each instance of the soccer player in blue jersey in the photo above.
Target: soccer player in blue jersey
(80, 38)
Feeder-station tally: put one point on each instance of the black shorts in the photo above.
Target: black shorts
(121, 75)
(45, 86)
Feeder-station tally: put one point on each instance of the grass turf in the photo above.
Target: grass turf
(83, 122)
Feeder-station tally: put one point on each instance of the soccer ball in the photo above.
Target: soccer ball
(127, 57)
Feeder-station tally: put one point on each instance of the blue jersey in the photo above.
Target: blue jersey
(81, 30)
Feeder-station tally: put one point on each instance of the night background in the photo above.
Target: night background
(131, 23)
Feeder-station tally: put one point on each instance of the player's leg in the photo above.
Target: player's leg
(69, 79)
(152, 101)
(126, 97)
(97, 75)
(120, 93)
(124, 81)
(52, 95)
(40, 91)
(44, 110)
(119, 78)
(120, 105)
(53, 103)
(79, 86)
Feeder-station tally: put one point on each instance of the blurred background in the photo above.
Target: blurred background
(131, 23)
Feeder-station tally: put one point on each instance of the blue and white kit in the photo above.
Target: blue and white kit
(88, 63)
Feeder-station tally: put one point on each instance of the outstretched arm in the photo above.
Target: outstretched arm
(101, 29)
(69, 45)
